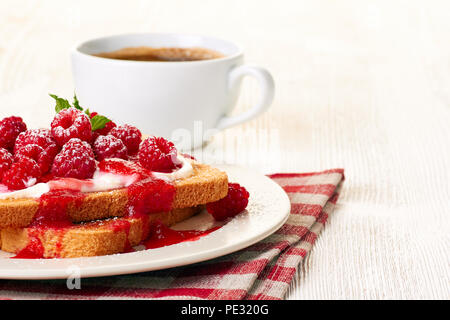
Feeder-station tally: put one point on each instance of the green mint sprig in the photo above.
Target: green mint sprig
(61, 103)
(97, 121)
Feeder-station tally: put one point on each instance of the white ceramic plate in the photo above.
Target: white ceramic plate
(267, 211)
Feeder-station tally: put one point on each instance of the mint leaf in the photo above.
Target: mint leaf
(88, 113)
(76, 103)
(60, 103)
(99, 122)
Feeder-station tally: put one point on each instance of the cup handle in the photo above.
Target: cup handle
(267, 93)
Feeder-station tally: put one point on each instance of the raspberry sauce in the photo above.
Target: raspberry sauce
(53, 208)
(148, 196)
(161, 236)
(120, 225)
(123, 167)
(52, 214)
(33, 250)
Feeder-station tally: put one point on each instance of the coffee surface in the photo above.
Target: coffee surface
(161, 54)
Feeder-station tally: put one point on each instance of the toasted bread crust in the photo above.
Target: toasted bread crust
(207, 184)
(90, 239)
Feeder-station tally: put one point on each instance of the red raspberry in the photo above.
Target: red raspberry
(83, 146)
(9, 130)
(130, 136)
(109, 147)
(235, 202)
(76, 160)
(71, 123)
(41, 137)
(6, 160)
(22, 174)
(43, 157)
(158, 154)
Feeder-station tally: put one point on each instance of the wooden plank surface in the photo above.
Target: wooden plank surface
(362, 85)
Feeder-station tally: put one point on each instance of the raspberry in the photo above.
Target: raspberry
(109, 147)
(71, 123)
(22, 174)
(43, 157)
(83, 146)
(33, 141)
(76, 160)
(158, 154)
(6, 160)
(235, 202)
(130, 136)
(9, 130)
(41, 137)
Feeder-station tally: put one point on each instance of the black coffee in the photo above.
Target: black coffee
(161, 54)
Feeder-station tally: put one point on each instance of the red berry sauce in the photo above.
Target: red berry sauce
(150, 195)
(123, 167)
(147, 195)
(34, 248)
(53, 208)
(52, 214)
(121, 225)
(161, 236)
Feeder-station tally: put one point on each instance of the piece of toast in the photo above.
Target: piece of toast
(207, 184)
(93, 238)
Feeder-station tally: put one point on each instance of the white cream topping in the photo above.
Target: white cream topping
(185, 171)
(31, 192)
(101, 181)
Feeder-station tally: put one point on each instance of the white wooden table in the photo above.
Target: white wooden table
(360, 85)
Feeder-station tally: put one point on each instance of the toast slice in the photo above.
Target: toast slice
(207, 184)
(102, 237)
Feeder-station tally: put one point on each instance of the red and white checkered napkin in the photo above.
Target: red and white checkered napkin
(261, 271)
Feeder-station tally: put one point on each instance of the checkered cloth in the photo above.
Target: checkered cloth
(261, 271)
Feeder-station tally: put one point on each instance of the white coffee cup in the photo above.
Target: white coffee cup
(169, 99)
